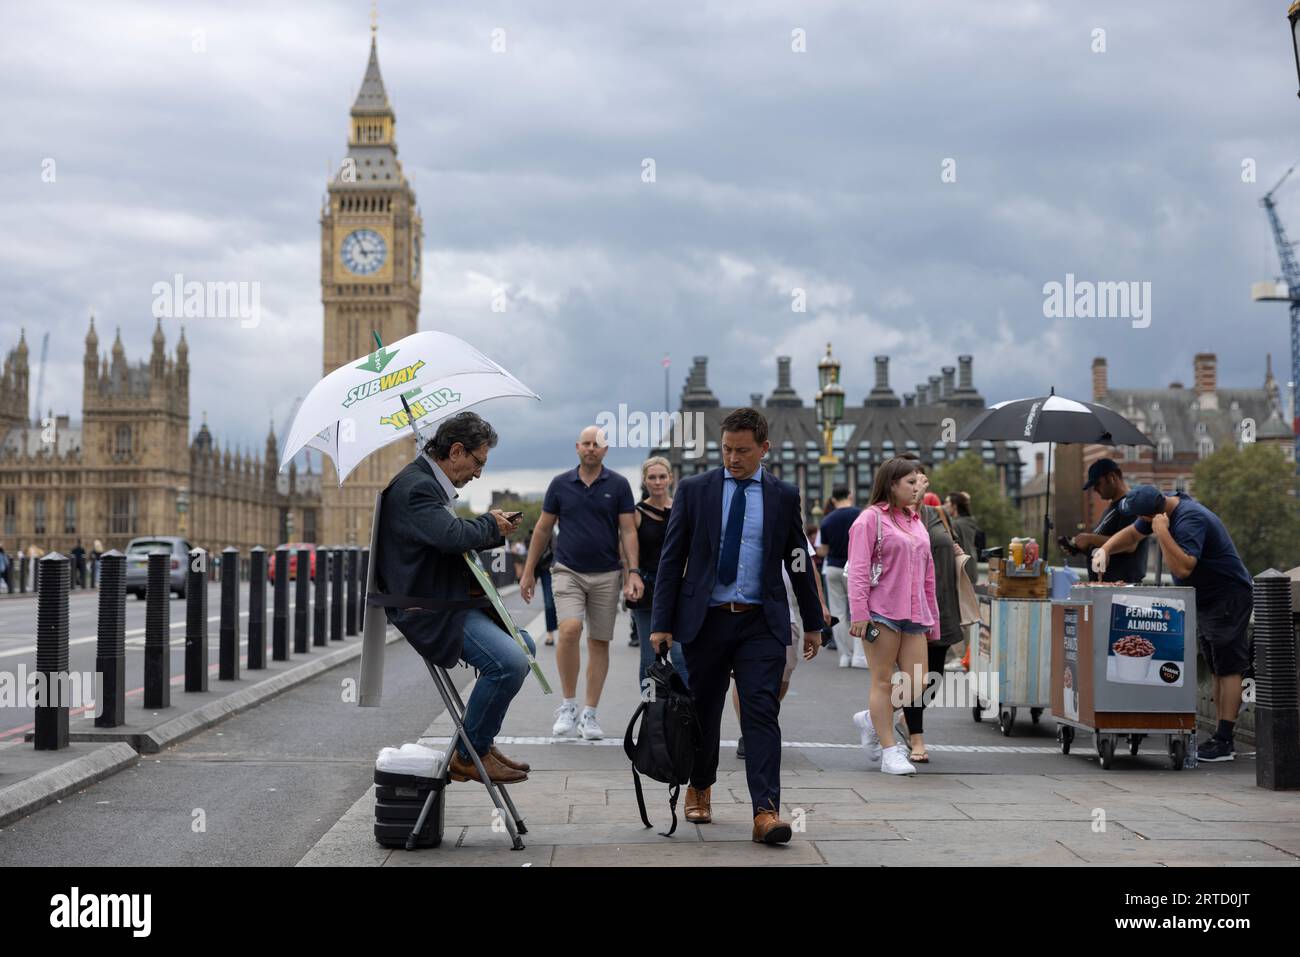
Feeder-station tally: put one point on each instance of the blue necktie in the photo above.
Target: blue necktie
(731, 538)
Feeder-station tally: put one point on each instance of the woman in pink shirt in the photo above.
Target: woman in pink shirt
(892, 606)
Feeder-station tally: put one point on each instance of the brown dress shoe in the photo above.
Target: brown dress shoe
(510, 763)
(698, 808)
(770, 829)
(464, 770)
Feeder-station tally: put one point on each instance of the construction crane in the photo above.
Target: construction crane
(40, 375)
(1285, 290)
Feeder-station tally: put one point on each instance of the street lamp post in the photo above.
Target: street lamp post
(830, 410)
(182, 508)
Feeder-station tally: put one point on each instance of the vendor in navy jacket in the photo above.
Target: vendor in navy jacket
(1199, 552)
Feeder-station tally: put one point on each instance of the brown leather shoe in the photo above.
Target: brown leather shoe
(698, 808)
(770, 829)
(464, 770)
(510, 763)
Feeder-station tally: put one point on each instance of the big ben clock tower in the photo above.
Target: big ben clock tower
(370, 280)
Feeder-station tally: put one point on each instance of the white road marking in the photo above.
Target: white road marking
(617, 742)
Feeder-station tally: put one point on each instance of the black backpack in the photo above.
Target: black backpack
(669, 737)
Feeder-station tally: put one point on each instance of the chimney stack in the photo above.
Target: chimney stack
(936, 388)
(881, 393)
(1099, 385)
(784, 396)
(922, 394)
(909, 400)
(696, 394)
(949, 386)
(756, 400)
(1205, 377)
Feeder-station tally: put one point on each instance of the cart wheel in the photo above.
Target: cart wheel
(978, 711)
(1006, 718)
(1177, 751)
(1106, 751)
(1035, 714)
(1134, 741)
(1065, 734)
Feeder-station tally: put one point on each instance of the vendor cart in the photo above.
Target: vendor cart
(1124, 667)
(1011, 664)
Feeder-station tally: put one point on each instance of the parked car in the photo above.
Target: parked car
(293, 561)
(137, 563)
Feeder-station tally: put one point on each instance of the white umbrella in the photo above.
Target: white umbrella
(357, 409)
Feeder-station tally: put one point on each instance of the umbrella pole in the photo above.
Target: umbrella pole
(1047, 508)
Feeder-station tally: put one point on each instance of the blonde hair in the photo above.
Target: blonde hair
(654, 460)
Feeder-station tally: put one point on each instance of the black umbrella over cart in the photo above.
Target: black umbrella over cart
(1053, 418)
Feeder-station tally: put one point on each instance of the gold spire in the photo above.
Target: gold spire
(374, 17)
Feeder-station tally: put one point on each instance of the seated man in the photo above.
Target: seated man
(421, 558)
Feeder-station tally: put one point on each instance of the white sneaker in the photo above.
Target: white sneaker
(860, 662)
(894, 761)
(589, 727)
(566, 719)
(845, 660)
(870, 740)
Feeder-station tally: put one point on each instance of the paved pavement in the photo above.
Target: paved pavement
(983, 799)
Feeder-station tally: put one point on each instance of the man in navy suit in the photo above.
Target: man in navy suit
(719, 592)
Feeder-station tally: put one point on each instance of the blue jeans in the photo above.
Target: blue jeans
(675, 654)
(502, 668)
(548, 599)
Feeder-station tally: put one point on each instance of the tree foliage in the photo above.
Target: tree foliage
(992, 510)
(1252, 492)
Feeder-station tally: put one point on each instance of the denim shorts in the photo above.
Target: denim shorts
(902, 625)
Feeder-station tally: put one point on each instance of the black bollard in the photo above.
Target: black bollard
(196, 621)
(319, 637)
(157, 632)
(228, 629)
(301, 639)
(280, 613)
(364, 582)
(110, 648)
(1277, 696)
(336, 594)
(257, 608)
(350, 573)
(52, 653)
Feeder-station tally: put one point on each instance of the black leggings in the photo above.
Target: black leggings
(915, 715)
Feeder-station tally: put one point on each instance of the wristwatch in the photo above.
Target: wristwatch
(635, 571)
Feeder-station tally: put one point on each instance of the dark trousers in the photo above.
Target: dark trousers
(743, 644)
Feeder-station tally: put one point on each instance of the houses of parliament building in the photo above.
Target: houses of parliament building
(132, 468)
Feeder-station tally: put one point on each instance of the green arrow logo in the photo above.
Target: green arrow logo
(376, 361)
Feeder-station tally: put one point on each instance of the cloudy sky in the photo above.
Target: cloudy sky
(774, 170)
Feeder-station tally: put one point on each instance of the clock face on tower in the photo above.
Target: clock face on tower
(364, 251)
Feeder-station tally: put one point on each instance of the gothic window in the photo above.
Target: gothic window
(11, 515)
(1166, 450)
(123, 513)
(1204, 446)
(70, 515)
(122, 445)
(39, 526)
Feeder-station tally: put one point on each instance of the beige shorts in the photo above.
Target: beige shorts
(591, 597)
(794, 652)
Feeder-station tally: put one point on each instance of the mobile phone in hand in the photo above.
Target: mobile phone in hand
(513, 516)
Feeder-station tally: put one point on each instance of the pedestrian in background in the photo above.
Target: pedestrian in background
(544, 562)
(964, 529)
(833, 544)
(892, 603)
(651, 522)
(4, 570)
(944, 552)
(594, 508)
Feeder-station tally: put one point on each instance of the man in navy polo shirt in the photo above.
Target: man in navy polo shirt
(1199, 552)
(596, 512)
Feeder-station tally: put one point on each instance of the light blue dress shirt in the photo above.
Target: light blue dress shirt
(748, 586)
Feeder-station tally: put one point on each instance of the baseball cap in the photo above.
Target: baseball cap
(1099, 468)
(1142, 501)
